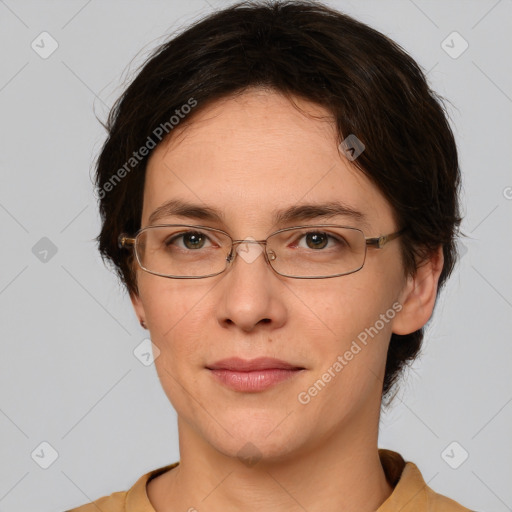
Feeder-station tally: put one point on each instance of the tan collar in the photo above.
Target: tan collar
(410, 492)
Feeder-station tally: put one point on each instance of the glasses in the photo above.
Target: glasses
(183, 251)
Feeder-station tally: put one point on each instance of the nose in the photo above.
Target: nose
(251, 290)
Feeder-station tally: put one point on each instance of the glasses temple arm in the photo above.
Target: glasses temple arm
(123, 241)
(380, 241)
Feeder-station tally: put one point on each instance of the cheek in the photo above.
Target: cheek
(174, 313)
(350, 355)
(355, 324)
(345, 308)
(173, 310)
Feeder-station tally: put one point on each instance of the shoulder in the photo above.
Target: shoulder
(410, 491)
(134, 499)
(426, 498)
(113, 503)
(441, 503)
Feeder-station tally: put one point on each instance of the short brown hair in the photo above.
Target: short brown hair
(373, 88)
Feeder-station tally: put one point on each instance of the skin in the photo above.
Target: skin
(246, 156)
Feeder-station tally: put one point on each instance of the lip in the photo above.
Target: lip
(252, 375)
(249, 365)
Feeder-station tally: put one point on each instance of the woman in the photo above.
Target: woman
(279, 194)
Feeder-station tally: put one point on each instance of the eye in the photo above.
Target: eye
(320, 239)
(316, 240)
(190, 240)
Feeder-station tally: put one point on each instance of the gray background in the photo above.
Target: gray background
(68, 373)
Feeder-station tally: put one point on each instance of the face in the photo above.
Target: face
(248, 157)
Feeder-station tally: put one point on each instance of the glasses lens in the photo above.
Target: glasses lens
(317, 251)
(182, 251)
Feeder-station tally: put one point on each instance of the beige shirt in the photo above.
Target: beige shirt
(410, 492)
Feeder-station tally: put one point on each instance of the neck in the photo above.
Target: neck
(341, 472)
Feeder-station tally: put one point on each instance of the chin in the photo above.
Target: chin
(256, 442)
(255, 453)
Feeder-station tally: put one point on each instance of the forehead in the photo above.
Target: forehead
(251, 154)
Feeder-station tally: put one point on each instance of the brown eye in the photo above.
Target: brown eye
(190, 240)
(316, 240)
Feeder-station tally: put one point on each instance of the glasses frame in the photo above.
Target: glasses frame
(125, 241)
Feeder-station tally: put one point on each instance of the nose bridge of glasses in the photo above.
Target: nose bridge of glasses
(268, 255)
(249, 241)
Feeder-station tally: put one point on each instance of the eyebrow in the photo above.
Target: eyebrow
(295, 213)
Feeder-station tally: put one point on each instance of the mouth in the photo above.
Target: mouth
(253, 375)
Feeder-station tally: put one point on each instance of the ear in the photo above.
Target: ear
(139, 308)
(418, 297)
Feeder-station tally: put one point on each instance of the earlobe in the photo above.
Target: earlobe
(418, 296)
(139, 309)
